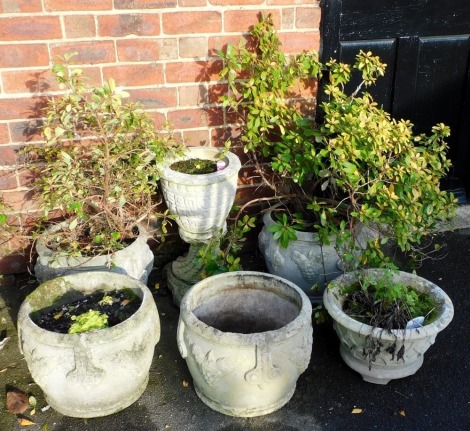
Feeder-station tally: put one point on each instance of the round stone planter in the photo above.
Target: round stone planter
(415, 342)
(136, 260)
(305, 262)
(201, 202)
(94, 373)
(246, 338)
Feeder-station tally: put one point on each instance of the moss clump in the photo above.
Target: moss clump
(195, 166)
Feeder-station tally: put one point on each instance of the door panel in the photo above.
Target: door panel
(426, 45)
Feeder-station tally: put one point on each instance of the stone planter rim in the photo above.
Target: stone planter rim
(42, 248)
(333, 302)
(232, 168)
(188, 304)
(301, 235)
(96, 336)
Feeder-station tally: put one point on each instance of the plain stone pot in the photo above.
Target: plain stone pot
(306, 261)
(352, 334)
(94, 373)
(246, 338)
(136, 260)
(201, 202)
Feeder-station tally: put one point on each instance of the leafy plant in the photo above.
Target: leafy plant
(220, 254)
(97, 166)
(88, 321)
(358, 166)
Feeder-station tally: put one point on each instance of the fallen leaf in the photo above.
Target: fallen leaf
(4, 342)
(24, 422)
(32, 401)
(185, 384)
(33, 412)
(125, 302)
(17, 401)
(402, 413)
(58, 315)
(157, 286)
(356, 411)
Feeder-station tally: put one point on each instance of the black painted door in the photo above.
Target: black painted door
(426, 45)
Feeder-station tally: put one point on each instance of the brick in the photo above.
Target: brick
(135, 75)
(77, 26)
(243, 20)
(235, 2)
(296, 42)
(77, 5)
(89, 52)
(195, 138)
(192, 47)
(291, 2)
(25, 28)
(216, 43)
(20, 6)
(192, 22)
(216, 91)
(25, 131)
(13, 263)
(188, 118)
(155, 98)
(22, 201)
(32, 81)
(8, 179)
(21, 108)
(158, 118)
(215, 116)
(8, 155)
(144, 4)
(192, 71)
(4, 134)
(192, 95)
(192, 3)
(288, 18)
(24, 55)
(138, 50)
(129, 24)
(308, 17)
(26, 178)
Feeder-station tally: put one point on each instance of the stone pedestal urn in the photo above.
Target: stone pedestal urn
(306, 261)
(246, 338)
(401, 352)
(94, 373)
(201, 204)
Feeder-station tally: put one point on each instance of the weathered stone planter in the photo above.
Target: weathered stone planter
(136, 260)
(201, 204)
(246, 338)
(305, 262)
(416, 342)
(94, 373)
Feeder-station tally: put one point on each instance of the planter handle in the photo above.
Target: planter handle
(180, 339)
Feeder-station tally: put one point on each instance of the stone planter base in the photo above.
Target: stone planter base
(246, 338)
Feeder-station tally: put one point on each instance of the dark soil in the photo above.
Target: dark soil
(195, 166)
(124, 305)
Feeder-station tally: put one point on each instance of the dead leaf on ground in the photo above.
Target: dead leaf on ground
(402, 413)
(356, 411)
(25, 422)
(185, 384)
(17, 401)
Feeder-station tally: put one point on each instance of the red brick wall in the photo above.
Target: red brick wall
(163, 52)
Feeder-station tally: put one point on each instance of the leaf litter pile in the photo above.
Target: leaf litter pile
(95, 311)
